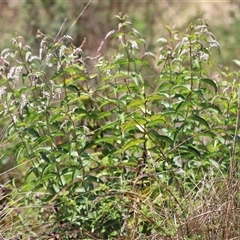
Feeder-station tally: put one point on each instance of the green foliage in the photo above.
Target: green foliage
(111, 152)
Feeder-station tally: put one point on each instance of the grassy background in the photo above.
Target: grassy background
(148, 17)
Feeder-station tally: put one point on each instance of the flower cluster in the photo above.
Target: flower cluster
(2, 91)
(23, 102)
(14, 73)
(56, 92)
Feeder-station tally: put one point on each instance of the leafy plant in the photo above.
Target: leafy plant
(111, 152)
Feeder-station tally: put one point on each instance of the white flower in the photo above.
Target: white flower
(33, 58)
(62, 51)
(8, 54)
(178, 59)
(42, 43)
(42, 46)
(14, 73)
(109, 34)
(27, 57)
(149, 54)
(134, 45)
(52, 84)
(59, 66)
(108, 72)
(162, 57)
(15, 119)
(48, 59)
(28, 47)
(203, 56)
(214, 43)
(118, 56)
(63, 124)
(78, 51)
(40, 53)
(46, 94)
(23, 102)
(68, 37)
(6, 50)
(185, 40)
(20, 45)
(2, 91)
(57, 93)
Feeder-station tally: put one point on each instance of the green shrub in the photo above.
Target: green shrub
(110, 151)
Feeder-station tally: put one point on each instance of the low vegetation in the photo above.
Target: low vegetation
(105, 148)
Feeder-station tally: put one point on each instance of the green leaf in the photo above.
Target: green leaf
(74, 68)
(212, 107)
(57, 74)
(210, 82)
(160, 137)
(190, 149)
(81, 112)
(186, 88)
(200, 120)
(44, 157)
(72, 87)
(91, 178)
(157, 96)
(33, 132)
(19, 148)
(132, 143)
(46, 169)
(92, 76)
(132, 124)
(41, 140)
(136, 103)
(105, 140)
(121, 75)
(155, 120)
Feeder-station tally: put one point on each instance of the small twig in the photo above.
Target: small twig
(79, 16)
